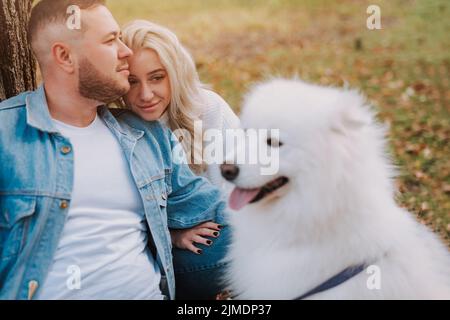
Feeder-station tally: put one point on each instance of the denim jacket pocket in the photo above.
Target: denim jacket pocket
(15, 219)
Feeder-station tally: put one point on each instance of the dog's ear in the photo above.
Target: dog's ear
(352, 113)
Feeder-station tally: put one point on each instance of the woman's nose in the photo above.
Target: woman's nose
(146, 93)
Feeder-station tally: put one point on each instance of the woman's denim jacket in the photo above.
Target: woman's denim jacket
(36, 181)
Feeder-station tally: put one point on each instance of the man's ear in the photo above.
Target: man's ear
(63, 56)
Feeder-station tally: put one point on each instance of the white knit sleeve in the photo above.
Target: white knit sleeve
(217, 114)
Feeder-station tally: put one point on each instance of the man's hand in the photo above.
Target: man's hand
(185, 238)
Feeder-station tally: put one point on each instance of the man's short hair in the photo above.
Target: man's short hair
(54, 11)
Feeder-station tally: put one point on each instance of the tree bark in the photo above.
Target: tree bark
(17, 64)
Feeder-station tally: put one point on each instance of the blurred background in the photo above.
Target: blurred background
(403, 68)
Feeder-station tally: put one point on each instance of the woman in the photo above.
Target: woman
(165, 86)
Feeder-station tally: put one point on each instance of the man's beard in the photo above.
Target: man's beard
(92, 84)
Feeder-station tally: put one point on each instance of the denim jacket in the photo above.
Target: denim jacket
(36, 181)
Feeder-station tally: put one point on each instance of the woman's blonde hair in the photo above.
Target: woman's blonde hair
(185, 85)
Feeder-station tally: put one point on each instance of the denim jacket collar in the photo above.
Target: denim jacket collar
(38, 116)
(123, 128)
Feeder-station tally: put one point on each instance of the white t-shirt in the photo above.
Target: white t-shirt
(104, 241)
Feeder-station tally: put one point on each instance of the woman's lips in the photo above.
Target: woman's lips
(149, 107)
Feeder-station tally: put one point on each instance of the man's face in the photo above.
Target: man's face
(103, 68)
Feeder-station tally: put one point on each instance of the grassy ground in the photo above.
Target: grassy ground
(403, 68)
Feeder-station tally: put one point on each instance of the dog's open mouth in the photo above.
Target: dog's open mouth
(240, 197)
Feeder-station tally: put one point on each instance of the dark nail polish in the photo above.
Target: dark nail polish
(208, 242)
(215, 234)
(219, 226)
(199, 251)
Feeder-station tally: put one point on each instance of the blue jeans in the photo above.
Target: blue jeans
(200, 276)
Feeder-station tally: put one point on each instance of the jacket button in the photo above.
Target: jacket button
(63, 204)
(66, 149)
(32, 286)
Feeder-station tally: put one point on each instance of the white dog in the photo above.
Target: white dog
(328, 217)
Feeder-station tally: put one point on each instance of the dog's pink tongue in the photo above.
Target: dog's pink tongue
(240, 197)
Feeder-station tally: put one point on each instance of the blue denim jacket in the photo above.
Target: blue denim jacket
(36, 180)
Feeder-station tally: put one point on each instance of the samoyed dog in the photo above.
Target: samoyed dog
(325, 225)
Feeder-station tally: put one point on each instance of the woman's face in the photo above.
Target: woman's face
(149, 94)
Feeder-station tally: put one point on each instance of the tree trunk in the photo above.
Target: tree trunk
(17, 64)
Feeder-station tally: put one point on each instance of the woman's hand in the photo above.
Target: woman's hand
(185, 238)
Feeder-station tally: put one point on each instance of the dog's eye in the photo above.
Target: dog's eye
(274, 142)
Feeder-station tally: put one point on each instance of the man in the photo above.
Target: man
(82, 192)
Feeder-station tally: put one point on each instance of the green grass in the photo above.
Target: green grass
(403, 68)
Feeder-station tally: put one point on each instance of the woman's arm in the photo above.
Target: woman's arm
(193, 199)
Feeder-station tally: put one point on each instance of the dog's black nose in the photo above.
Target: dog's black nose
(229, 171)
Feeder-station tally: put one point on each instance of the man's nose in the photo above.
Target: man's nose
(229, 171)
(124, 51)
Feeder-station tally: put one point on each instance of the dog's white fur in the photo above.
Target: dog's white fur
(338, 209)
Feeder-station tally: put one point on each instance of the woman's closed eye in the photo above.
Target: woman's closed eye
(157, 78)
